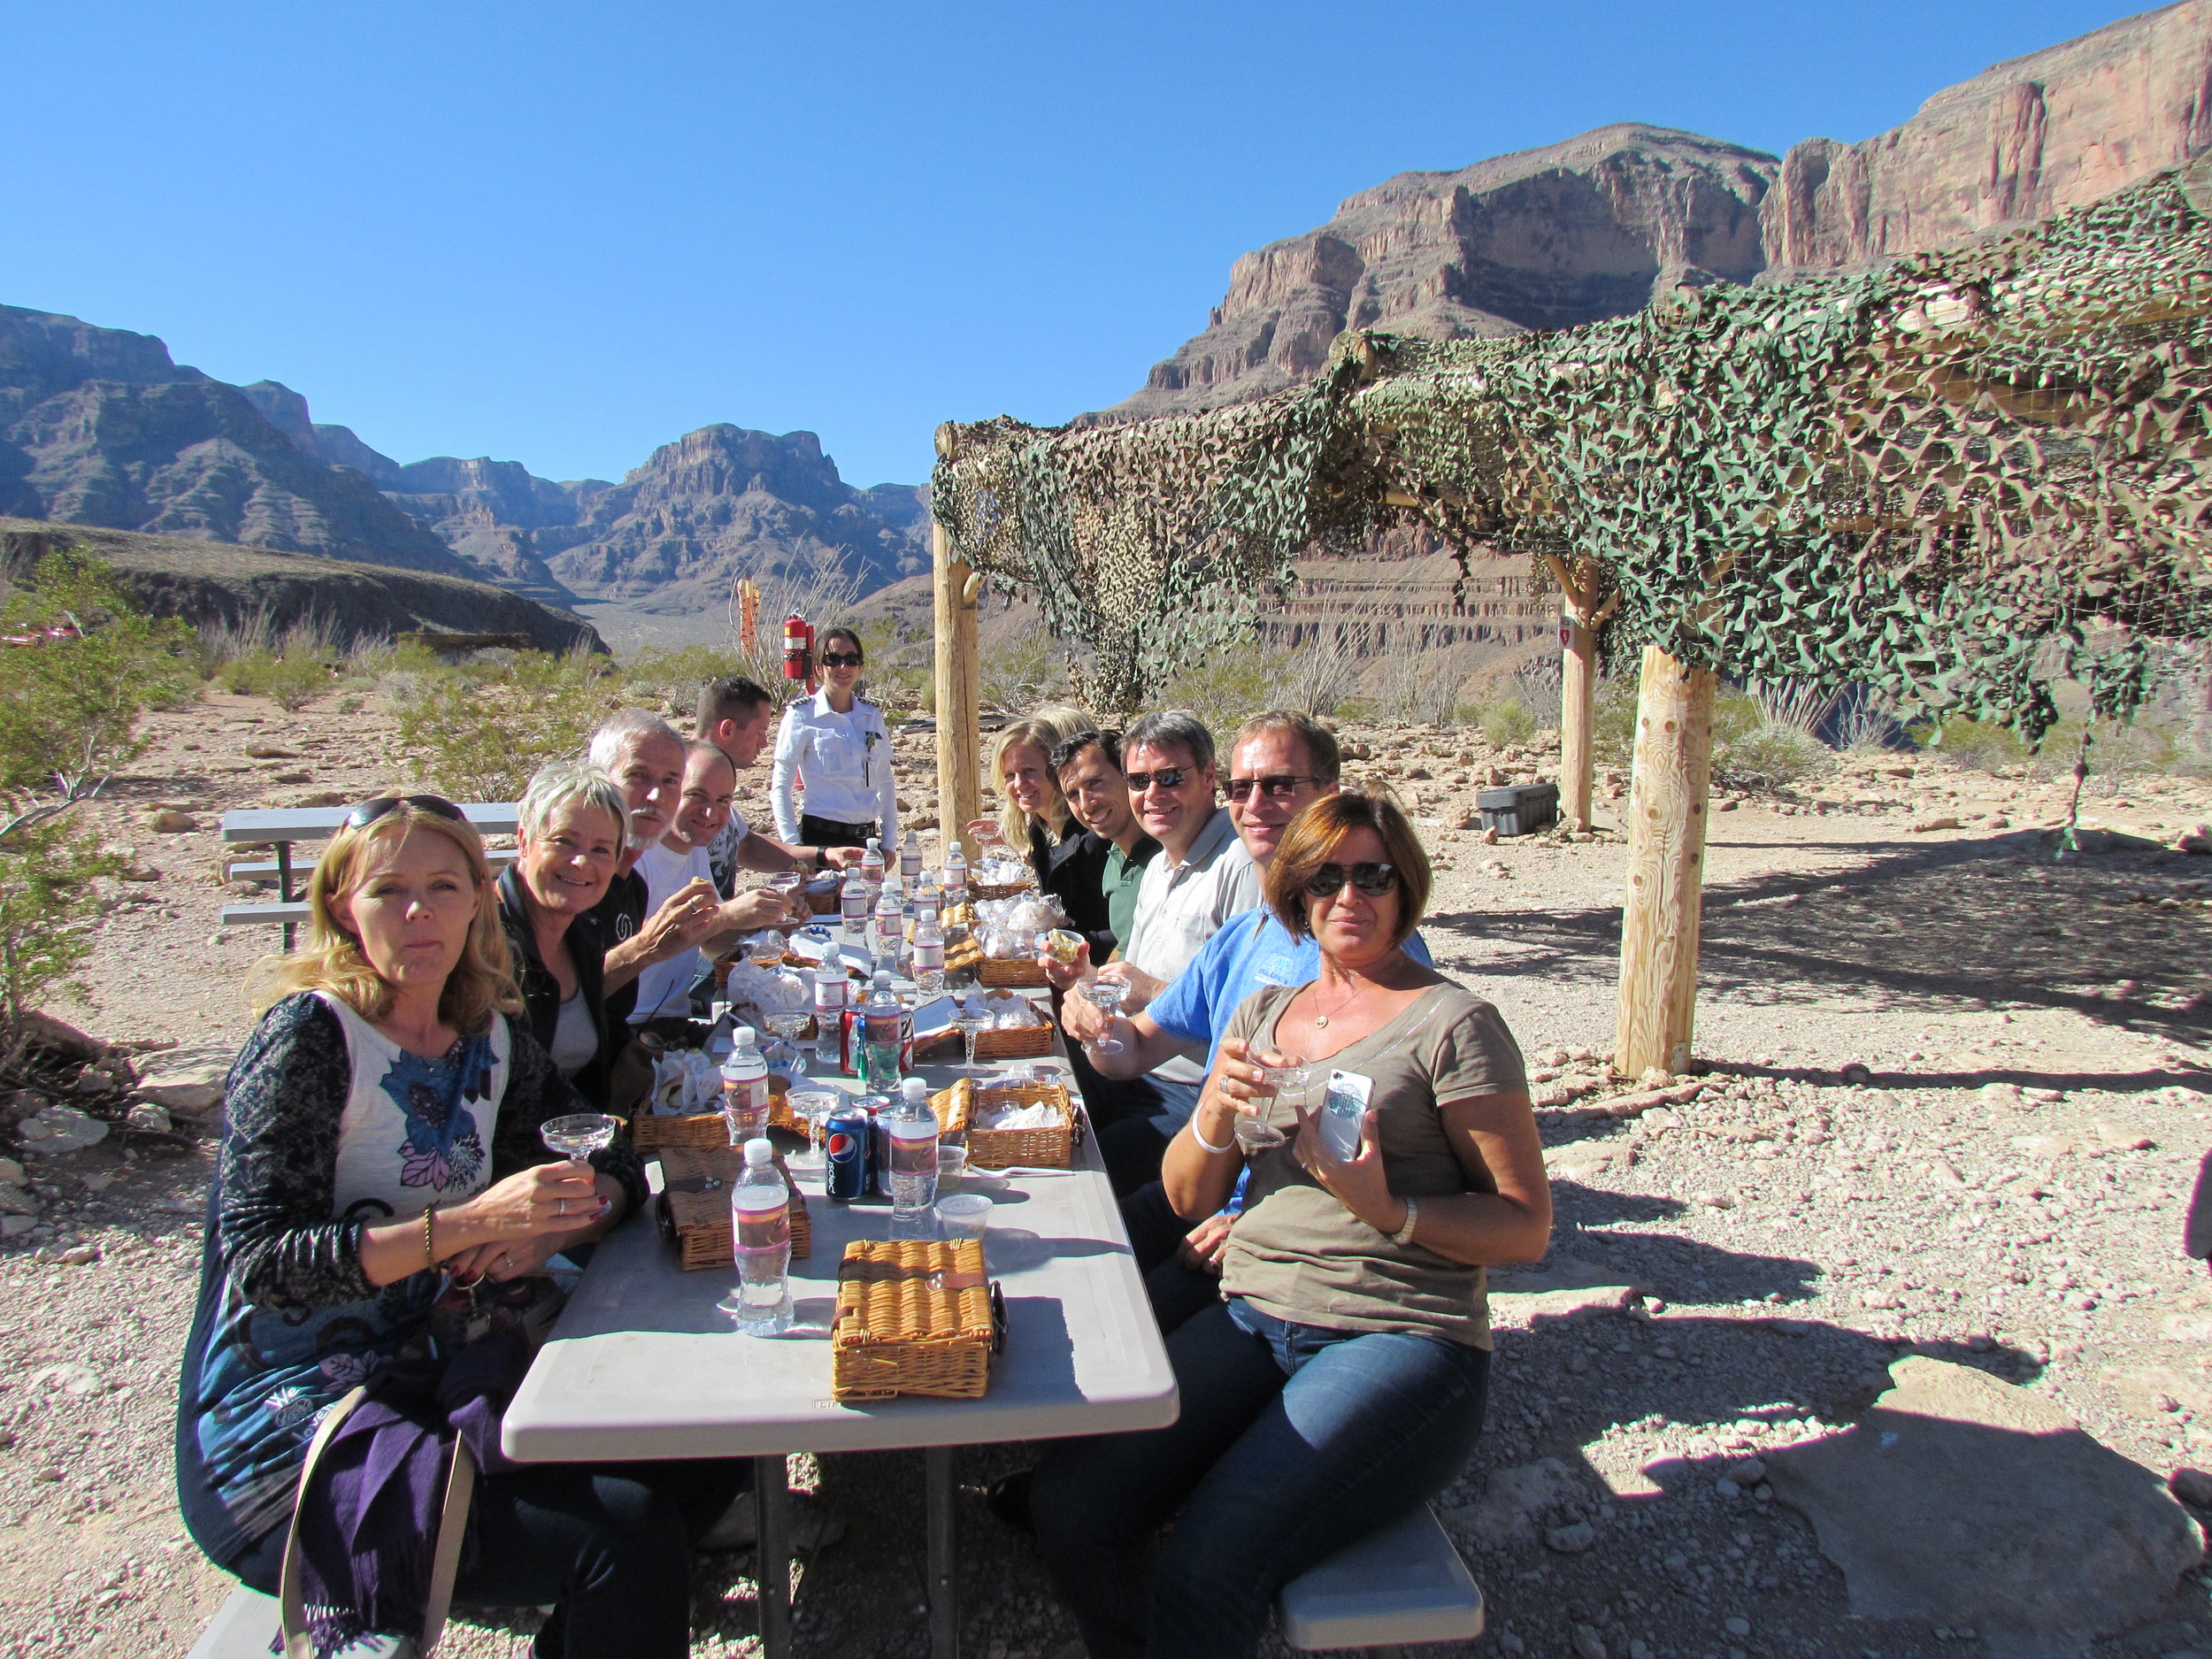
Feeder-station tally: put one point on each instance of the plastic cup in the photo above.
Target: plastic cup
(952, 1163)
(963, 1215)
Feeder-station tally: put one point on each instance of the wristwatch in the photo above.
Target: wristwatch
(1404, 1235)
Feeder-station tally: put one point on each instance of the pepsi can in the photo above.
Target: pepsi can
(845, 1154)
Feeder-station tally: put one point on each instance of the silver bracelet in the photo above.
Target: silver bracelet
(1208, 1145)
(1404, 1235)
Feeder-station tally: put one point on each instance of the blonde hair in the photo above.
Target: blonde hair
(1044, 730)
(482, 983)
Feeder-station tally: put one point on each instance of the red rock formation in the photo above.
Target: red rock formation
(2021, 141)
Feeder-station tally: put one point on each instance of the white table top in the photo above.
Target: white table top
(644, 1364)
(319, 822)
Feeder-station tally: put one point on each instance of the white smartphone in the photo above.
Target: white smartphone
(1343, 1113)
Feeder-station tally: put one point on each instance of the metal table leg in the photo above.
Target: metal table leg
(284, 886)
(771, 1515)
(944, 1589)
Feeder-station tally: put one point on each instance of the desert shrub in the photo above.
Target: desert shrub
(69, 706)
(1769, 754)
(291, 680)
(50, 901)
(1020, 669)
(1508, 722)
(1418, 686)
(1613, 722)
(1973, 743)
(477, 731)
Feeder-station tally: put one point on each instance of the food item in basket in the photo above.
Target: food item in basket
(1012, 1115)
(686, 1082)
(1063, 946)
(1008, 928)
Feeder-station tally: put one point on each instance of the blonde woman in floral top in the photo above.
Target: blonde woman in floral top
(381, 1146)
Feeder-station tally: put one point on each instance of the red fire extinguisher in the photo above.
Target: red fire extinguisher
(798, 649)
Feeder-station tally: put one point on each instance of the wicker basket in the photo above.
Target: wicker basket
(914, 1318)
(696, 1206)
(1014, 1042)
(1013, 970)
(1051, 1149)
(651, 1131)
(979, 891)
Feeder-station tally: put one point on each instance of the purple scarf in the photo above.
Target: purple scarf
(369, 1528)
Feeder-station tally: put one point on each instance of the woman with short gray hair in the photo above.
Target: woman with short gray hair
(572, 823)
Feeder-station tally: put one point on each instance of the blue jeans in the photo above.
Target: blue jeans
(1293, 1442)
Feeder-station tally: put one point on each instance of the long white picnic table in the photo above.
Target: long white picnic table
(645, 1365)
(279, 827)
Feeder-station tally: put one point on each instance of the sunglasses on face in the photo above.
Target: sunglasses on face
(1277, 787)
(1166, 777)
(841, 659)
(1373, 880)
(368, 811)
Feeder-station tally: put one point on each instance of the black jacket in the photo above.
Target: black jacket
(541, 994)
(1074, 873)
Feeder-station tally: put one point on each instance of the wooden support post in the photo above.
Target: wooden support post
(1577, 694)
(959, 682)
(1666, 865)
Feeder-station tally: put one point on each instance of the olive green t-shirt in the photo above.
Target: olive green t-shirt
(1296, 1252)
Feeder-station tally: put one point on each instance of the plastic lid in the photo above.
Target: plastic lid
(760, 1149)
(743, 1036)
(916, 1090)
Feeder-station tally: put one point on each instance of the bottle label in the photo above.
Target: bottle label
(929, 958)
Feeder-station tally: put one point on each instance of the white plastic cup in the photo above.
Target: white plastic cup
(952, 1163)
(963, 1215)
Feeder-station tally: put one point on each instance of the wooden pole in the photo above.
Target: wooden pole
(1578, 693)
(959, 681)
(1666, 865)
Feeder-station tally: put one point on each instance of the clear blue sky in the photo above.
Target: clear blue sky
(563, 233)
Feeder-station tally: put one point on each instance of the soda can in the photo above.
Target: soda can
(845, 1154)
(879, 1110)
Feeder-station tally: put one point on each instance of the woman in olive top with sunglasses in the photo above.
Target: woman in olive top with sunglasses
(834, 749)
(1341, 1380)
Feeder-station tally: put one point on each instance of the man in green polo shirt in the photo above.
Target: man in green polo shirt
(1089, 766)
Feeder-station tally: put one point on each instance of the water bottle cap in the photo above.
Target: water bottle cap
(759, 1149)
(743, 1036)
(916, 1090)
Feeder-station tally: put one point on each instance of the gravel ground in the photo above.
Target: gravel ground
(1953, 1101)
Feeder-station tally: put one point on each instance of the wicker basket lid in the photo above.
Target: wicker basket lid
(911, 1290)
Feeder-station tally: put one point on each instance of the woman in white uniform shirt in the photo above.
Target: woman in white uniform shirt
(834, 747)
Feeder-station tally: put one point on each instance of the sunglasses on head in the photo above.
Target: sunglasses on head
(1166, 777)
(1277, 787)
(368, 811)
(1373, 879)
(841, 659)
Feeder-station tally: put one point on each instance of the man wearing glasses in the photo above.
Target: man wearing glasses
(1201, 876)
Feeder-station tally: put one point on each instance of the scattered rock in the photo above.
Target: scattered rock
(1929, 825)
(1738, 1627)
(17, 1201)
(169, 821)
(269, 751)
(79, 1255)
(1513, 1498)
(11, 1172)
(148, 1119)
(1920, 1505)
(1747, 1473)
(1587, 1643)
(69, 1377)
(2000, 1096)
(60, 1129)
(1571, 1540)
(44, 1030)
(187, 1081)
(2192, 1486)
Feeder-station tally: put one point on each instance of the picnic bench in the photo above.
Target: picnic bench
(280, 828)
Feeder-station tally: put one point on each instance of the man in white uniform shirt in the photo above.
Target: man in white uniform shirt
(1201, 876)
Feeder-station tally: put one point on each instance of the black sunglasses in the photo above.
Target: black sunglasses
(841, 659)
(1373, 880)
(1277, 787)
(368, 811)
(1167, 778)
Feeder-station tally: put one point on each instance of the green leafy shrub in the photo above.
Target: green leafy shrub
(477, 731)
(1507, 723)
(50, 900)
(69, 707)
(291, 680)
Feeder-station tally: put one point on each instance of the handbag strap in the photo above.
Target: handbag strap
(292, 1599)
(445, 1560)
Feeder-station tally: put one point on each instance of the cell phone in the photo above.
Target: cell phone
(1343, 1111)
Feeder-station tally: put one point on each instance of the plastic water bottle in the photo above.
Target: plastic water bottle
(910, 858)
(929, 956)
(956, 881)
(929, 901)
(913, 1127)
(872, 866)
(890, 929)
(881, 1015)
(760, 1218)
(852, 905)
(745, 1088)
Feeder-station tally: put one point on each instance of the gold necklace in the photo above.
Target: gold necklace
(1321, 1021)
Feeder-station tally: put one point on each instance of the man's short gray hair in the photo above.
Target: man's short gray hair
(1172, 728)
(566, 783)
(1325, 757)
(623, 730)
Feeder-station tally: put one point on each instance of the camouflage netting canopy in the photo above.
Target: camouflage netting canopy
(1945, 477)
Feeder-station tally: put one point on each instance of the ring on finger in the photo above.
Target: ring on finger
(560, 1206)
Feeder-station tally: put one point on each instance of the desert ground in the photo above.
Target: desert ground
(1950, 1098)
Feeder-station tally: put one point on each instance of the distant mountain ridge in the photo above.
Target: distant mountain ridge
(1591, 227)
(100, 426)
